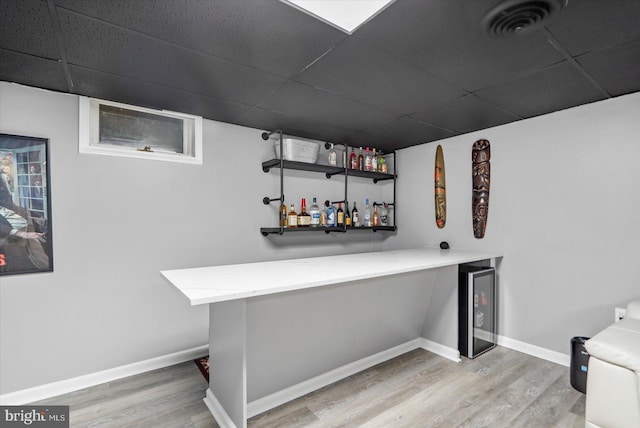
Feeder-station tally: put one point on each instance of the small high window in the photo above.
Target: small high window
(116, 129)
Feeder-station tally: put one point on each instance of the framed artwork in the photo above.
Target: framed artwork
(25, 205)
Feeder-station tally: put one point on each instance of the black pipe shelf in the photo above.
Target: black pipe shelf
(281, 230)
(328, 170)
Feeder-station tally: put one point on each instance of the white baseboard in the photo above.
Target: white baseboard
(53, 389)
(536, 351)
(438, 349)
(295, 391)
(218, 412)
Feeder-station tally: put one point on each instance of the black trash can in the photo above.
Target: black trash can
(579, 364)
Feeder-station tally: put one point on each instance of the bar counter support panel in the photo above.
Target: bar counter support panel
(281, 329)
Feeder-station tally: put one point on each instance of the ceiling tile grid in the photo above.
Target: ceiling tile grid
(555, 88)
(417, 72)
(265, 34)
(27, 28)
(93, 44)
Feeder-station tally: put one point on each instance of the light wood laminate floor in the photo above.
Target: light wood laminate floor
(502, 388)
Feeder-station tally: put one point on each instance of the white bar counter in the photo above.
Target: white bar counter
(240, 281)
(256, 311)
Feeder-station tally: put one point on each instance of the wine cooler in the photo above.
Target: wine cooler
(476, 310)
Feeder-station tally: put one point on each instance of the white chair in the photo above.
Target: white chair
(613, 376)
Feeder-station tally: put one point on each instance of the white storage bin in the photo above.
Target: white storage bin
(296, 149)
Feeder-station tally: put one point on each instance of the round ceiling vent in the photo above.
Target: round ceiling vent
(517, 17)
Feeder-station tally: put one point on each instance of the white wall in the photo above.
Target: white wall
(117, 222)
(563, 209)
(564, 203)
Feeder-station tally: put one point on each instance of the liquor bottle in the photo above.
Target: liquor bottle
(367, 214)
(282, 214)
(374, 161)
(314, 211)
(332, 156)
(323, 217)
(360, 160)
(376, 219)
(383, 213)
(367, 161)
(331, 216)
(304, 219)
(354, 216)
(340, 216)
(347, 216)
(380, 162)
(353, 159)
(292, 218)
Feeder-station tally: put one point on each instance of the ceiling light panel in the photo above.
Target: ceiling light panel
(346, 15)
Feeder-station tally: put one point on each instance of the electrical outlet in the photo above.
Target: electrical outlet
(620, 313)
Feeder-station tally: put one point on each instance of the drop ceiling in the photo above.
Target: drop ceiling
(419, 71)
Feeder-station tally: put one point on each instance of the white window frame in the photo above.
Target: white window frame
(89, 130)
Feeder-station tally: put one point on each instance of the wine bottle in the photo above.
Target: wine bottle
(304, 219)
(354, 216)
(347, 216)
(292, 218)
(353, 159)
(314, 211)
(340, 215)
(282, 214)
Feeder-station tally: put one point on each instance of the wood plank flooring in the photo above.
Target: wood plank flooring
(502, 388)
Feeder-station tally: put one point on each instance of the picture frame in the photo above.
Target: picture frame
(25, 205)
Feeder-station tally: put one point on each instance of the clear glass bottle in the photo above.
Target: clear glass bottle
(333, 161)
(367, 214)
(383, 213)
(331, 216)
(292, 218)
(367, 160)
(314, 211)
(376, 219)
(380, 161)
(323, 217)
(374, 161)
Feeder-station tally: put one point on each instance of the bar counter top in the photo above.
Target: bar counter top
(213, 284)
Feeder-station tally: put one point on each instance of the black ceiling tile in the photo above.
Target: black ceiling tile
(267, 34)
(555, 88)
(32, 71)
(587, 25)
(116, 88)
(139, 57)
(299, 126)
(616, 69)
(297, 99)
(18, 15)
(359, 72)
(465, 114)
(444, 38)
(404, 132)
